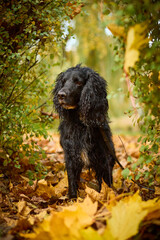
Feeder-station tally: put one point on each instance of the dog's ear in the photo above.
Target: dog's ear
(58, 86)
(93, 103)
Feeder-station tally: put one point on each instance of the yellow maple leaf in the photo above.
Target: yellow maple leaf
(93, 193)
(66, 224)
(136, 39)
(88, 206)
(105, 193)
(126, 217)
(90, 234)
(53, 227)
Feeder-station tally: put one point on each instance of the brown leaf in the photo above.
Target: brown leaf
(23, 209)
(22, 224)
(45, 190)
(61, 188)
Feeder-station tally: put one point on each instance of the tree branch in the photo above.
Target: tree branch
(130, 92)
(13, 101)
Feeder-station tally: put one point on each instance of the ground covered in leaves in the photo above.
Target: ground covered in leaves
(44, 212)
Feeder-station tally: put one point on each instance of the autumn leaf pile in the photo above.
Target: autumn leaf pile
(43, 210)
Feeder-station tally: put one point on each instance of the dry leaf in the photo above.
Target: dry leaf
(61, 187)
(126, 217)
(93, 194)
(90, 234)
(88, 206)
(23, 209)
(46, 190)
(157, 190)
(63, 225)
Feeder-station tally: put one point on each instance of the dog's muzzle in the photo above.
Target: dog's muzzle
(62, 100)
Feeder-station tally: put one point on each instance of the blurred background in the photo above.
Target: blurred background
(92, 44)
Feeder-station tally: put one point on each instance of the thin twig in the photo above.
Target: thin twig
(32, 65)
(12, 90)
(53, 115)
(13, 101)
(37, 108)
(17, 83)
(123, 146)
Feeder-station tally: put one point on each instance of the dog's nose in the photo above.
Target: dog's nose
(61, 95)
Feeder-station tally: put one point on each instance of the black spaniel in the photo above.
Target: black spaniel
(80, 99)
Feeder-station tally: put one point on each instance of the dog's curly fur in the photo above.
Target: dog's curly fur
(80, 99)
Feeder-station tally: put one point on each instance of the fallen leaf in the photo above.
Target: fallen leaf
(21, 205)
(41, 215)
(88, 206)
(22, 224)
(1, 198)
(90, 234)
(45, 190)
(157, 190)
(10, 186)
(126, 217)
(153, 215)
(23, 209)
(93, 194)
(66, 224)
(61, 187)
(62, 225)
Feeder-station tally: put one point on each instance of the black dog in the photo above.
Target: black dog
(80, 99)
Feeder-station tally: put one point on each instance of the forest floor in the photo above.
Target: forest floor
(43, 210)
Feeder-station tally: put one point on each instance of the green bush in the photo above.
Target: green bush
(29, 31)
(144, 74)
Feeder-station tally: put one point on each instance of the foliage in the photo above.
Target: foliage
(74, 222)
(94, 48)
(29, 30)
(43, 210)
(136, 23)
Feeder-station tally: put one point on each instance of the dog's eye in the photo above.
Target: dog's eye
(64, 80)
(78, 82)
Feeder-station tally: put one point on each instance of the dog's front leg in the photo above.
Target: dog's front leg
(74, 167)
(72, 178)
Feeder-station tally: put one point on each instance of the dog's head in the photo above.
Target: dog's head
(72, 86)
(83, 90)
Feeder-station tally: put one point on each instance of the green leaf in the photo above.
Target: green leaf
(51, 56)
(129, 159)
(125, 173)
(134, 166)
